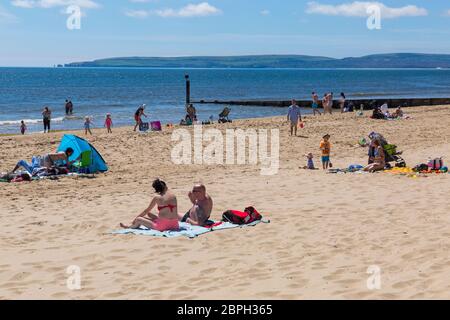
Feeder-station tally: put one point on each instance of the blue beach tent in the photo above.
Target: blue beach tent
(80, 146)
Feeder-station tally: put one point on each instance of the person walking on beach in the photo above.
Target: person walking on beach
(138, 116)
(166, 203)
(108, 123)
(342, 102)
(294, 116)
(23, 127)
(46, 117)
(200, 213)
(325, 147)
(87, 125)
(315, 104)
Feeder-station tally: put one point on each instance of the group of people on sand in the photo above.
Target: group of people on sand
(168, 217)
(377, 157)
(382, 112)
(327, 103)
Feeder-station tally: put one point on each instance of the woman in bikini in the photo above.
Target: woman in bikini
(379, 159)
(167, 219)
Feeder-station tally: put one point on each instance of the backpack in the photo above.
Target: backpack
(249, 215)
(435, 164)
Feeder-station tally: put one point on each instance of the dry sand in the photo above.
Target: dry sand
(325, 231)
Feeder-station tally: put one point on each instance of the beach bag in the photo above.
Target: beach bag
(249, 215)
(420, 167)
(435, 164)
(144, 126)
(156, 126)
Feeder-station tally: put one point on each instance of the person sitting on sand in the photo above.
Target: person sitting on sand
(166, 202)
(310, 162)
(46, 161)
(398, 113)
(377, 113)
(379, 160)
(200, 213)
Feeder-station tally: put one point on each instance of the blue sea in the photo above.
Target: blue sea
(119, 91)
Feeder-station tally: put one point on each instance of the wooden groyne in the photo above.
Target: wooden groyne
(367, 103)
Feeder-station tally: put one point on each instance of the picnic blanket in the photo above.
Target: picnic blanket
(186, 230)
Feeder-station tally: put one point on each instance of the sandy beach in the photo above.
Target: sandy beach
(326, 230)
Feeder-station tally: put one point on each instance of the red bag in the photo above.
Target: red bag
(249, 215)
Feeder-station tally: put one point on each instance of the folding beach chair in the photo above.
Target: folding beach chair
(223, 117)
(83, 166)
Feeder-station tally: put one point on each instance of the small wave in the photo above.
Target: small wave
(27, 121)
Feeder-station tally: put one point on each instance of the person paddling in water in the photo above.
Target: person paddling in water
(166, 202)
(46, 119)
(138, 116)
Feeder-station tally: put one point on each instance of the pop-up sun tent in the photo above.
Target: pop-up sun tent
(81, 146)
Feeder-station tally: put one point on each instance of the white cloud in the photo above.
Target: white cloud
(203, 9)
(265, 12)
(447, 13)
(6, 16)
(191, 10)
(137, 13)
(28, 4)
(359, 9)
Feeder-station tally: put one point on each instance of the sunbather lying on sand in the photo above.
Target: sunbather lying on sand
(201, 211)
(46, 161)
(167, 219)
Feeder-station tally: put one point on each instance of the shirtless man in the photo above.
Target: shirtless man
(202, 206)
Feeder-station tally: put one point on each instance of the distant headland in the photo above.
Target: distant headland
(392, 60)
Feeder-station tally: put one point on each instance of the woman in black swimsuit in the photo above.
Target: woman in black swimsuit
(46, 117)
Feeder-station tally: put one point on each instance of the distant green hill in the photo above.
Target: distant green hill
(394, 60)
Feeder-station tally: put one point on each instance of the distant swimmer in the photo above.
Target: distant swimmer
(69, 108)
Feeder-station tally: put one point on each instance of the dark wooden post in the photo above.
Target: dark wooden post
(188, 90)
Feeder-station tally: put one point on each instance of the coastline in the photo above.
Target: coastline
(325, 231)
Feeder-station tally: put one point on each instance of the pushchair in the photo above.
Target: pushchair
(223, 117)
(392, 155)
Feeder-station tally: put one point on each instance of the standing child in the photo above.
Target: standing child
(108, 123)
(87, 125)
(325, 147)
(315, 103)
(23, 127)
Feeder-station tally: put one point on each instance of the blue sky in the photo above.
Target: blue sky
(34, 32)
